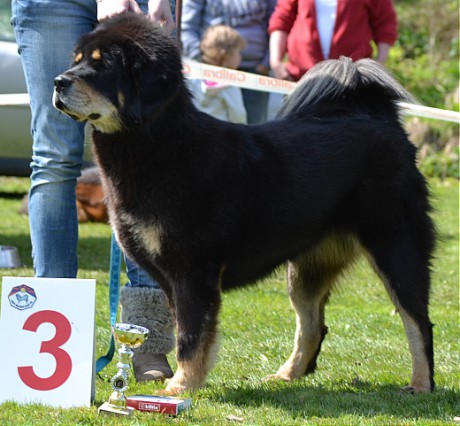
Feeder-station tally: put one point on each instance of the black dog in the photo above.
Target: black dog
(204, 205)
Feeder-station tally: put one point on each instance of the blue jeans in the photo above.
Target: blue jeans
(255, 102)
(46, 32)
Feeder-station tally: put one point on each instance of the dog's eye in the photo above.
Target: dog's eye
(78, 57)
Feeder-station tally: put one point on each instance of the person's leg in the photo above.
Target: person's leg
(144, 303)
(46, 32)
(255, 102)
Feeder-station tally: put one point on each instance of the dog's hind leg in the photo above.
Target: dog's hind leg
(196, 306)
(406, 278)
(310, 280)
(310, 327)
(402, 262)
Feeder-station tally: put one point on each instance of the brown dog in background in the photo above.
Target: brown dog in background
(90, 197)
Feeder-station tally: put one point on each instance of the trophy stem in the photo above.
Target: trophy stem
(120, 382)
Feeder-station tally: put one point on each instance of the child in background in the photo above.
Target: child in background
(221, 46)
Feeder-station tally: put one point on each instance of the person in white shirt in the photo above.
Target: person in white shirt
(326, 13)
(221, 46)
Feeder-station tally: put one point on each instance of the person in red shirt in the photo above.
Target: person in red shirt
(313, 30)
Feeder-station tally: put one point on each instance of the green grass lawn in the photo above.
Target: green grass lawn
(363, 365)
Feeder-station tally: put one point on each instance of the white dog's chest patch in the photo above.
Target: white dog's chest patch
(146, 235)
(150, 238)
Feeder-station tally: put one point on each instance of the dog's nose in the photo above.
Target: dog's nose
(61, 82)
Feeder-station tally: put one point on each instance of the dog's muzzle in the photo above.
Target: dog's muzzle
(62, 82)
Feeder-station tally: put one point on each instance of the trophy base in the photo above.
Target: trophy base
(106, 408)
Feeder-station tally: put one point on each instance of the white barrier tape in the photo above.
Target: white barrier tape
(429, 112)
(194, 69)
(14, 100)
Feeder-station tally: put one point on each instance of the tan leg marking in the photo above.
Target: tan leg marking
(310, 279)
(191, 374)
(420, 366)
(308, 336)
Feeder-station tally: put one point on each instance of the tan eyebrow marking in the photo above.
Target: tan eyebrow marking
(78, 57)
(121, 99)
(96, 55)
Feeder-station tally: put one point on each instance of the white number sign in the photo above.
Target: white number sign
(47, 341)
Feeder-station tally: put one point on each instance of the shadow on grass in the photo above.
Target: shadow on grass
(363, 400)
(12, 195)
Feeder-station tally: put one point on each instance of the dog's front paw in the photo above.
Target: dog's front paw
(175, 391)
(173, 388)
(277, 376)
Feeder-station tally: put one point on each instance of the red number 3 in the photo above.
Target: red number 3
(53, 347)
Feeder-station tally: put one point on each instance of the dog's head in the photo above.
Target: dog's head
(122, 74)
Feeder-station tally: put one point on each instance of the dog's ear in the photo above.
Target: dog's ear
(154, 77)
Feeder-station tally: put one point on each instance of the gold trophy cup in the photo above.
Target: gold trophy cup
(129, 336)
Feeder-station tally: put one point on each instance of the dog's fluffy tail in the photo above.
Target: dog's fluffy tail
(345, 87)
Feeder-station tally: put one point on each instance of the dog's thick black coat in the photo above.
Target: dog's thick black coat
(204, 205)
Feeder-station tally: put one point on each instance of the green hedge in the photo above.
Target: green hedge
(426, 54)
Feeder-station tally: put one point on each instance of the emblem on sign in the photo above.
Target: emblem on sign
(22, 297)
